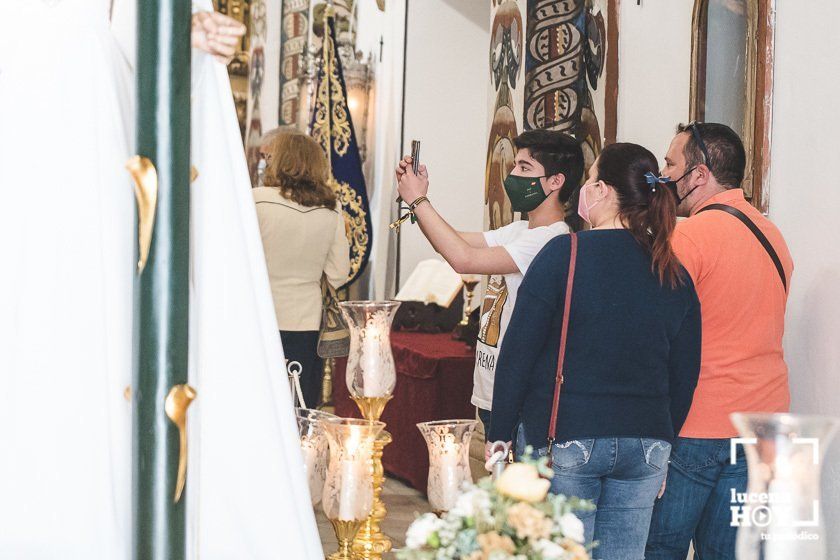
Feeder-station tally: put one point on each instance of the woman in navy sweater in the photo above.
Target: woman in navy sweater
(632, 356)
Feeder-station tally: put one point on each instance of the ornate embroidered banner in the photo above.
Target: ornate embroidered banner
(332, 127)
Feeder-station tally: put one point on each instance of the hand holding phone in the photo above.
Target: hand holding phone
(415, 162)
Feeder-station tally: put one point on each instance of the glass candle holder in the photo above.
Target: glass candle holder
(348, 489)
(449, 463)
(779, 517)
(370, 364)
(315, 448)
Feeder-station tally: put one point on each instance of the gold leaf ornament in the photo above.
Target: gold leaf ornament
(145, 177)
(177, 402)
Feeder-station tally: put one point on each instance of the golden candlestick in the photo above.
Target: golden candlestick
(469, 287)
(327, 384)
(370, 542)
(345, 531)
(348, 488)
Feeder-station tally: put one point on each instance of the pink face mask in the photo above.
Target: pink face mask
(583, 206)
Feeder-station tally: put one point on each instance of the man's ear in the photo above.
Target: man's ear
(704, 174)
(555, 182)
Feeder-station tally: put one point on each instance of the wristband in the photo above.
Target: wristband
(417, 202)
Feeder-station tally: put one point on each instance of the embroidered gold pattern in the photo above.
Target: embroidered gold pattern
(331, 129)
(330, 98)
(354, 222)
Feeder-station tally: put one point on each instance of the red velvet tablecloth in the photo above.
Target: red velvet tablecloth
(434, 382)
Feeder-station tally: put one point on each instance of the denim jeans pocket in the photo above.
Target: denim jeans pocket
(656, 452)
(693, 455)
(572, 454)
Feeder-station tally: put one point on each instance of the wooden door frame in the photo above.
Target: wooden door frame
(758, 108)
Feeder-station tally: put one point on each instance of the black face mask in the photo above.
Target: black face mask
(672, 186)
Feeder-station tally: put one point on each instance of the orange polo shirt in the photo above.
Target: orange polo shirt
(743, 307)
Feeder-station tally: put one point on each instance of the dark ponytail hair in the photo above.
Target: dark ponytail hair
(645, 206)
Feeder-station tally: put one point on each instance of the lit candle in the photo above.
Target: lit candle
(351, 475)
(447, 475)
(355, 484)
(372, 366)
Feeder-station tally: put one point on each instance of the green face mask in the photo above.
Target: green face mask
(525, 193)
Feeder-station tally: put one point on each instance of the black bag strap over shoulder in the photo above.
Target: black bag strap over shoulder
(758, 235)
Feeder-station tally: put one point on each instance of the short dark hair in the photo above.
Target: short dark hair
(727, 158)
(557, 152)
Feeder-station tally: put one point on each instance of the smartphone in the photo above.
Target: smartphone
(415, 156)
(415, 160)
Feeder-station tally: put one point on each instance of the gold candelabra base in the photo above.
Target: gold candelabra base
(345, 532)
(469, 286)
(327, 383)
(370, 542)
(372, 407)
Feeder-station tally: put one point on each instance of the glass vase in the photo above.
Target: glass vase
(348, 489)
(779, 517)
(448, 442)
(370, 364)
(315, 448)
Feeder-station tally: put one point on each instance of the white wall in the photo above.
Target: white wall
(654, 61)
(655, 56)
(805, 203)
(446, 109)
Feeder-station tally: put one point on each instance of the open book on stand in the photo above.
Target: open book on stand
(432, 299)
(432, 281)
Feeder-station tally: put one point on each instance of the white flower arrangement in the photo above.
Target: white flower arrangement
(513, 518)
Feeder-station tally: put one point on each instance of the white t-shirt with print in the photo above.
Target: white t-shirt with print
(522, 244)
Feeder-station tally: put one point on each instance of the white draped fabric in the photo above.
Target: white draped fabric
(67, 240)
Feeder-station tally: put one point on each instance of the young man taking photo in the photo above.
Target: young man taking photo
(548, 169)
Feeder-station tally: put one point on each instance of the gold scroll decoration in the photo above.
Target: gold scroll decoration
(355, 226)
(177, 402)
(145, 191)
(333, 127)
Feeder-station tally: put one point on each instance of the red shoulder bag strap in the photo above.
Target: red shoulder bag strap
(561, 357)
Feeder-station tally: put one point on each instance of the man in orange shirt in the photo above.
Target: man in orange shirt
(741, 269)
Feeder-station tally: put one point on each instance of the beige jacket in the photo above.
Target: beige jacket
(300, 244)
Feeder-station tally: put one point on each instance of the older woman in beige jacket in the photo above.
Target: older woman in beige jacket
(304, 239)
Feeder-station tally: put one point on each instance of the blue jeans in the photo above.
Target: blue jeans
(622, 477)
(697, 500)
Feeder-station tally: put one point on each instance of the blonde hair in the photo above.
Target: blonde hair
(298, 167)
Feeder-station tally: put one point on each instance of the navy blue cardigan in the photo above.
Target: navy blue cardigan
(633, 350)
